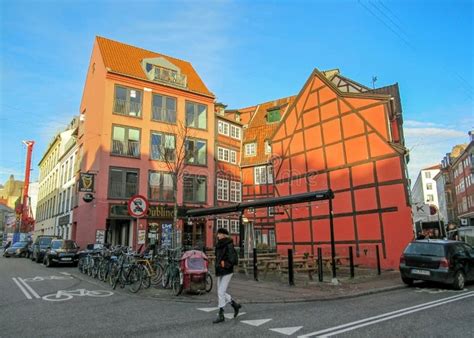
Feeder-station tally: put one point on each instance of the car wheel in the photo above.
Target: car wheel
(407, 281)
(459, 280)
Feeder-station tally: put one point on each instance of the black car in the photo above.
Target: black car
(19, 249)
(40, 246)
(61, 251)
(444, 261)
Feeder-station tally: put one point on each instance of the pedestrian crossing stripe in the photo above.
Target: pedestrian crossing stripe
(256, 322)
(287, 330)
(208, 309)
(231, 315)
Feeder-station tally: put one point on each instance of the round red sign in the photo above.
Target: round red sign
(137, 206)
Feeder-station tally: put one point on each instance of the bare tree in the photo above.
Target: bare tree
(176, 157)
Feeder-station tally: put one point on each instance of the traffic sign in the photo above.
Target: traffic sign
(138, 206)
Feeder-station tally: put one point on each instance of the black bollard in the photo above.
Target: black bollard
(291, 279)
(351, 261)
(378, 259)
(320, 264)
(255, 268)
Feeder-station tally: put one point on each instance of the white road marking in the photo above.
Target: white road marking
(65, 273)
(386, 316)
(256, 322)
(27, 295)
(231, 315)
(33, 292)
(208, 309)
(287, 330)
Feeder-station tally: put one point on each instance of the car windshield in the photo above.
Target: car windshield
(69, 245)
(45, 241)
(56, 244)
(19, 244)
(425, 249)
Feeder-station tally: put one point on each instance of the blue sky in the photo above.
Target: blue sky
(246, 52)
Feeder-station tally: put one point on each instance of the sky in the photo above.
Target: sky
(246, 52)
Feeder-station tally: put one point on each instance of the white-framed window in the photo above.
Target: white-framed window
(234, 226)
(222, 189)
(251, 149)
(223, 154)
(429, 198)
(429, 186)
(233, 157)
(427, 174)
(271, 211)
(235, 132)
(268, 147)
(223, 223)
(263, 174)
(223, 128)
(271, 238)
(235, 191)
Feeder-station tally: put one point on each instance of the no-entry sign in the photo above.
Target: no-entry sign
(137, 206)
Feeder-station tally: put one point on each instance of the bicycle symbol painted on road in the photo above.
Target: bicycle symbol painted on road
(63, 295)
(41, 279)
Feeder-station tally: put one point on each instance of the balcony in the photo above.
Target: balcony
(163, 114)
(127, 148)
(170, 76)
(124, 107)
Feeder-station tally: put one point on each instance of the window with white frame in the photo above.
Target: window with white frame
(429, 186)
(263, 174)
(235, 191)
(223, 128)
(233, 157)
(251, 149)
(223, 223)
(234, 226)
(223, 154)
(429, 198)
(427, 174)
(235, 132)
(222, 189)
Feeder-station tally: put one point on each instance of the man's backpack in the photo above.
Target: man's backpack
(233, 256)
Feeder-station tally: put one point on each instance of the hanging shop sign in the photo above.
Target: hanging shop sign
(86, 182)
(88, 197)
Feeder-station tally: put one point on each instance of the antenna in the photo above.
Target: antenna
(374, 79)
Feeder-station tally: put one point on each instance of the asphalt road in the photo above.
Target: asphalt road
(33, 304)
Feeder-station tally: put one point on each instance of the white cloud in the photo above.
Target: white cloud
(428, 144)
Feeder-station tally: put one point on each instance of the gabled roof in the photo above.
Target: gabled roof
(259, 130)
(125, 59)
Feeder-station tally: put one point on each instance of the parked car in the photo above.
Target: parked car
(40, 246)
(91, 248)
(61, 251)
(19, 249)
(444, 261)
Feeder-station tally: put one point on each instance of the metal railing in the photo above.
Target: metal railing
(127, 148)
(163, 114)
(171, 76)
(124, 107)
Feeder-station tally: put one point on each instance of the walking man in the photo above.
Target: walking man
(226, 258)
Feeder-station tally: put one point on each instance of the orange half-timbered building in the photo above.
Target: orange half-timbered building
(335, 134)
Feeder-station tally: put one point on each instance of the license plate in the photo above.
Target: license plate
(420, 272)
(66, 259)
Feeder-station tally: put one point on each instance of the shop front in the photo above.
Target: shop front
(119, 226)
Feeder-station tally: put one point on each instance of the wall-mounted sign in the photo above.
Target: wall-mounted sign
(137, 206)
(86, 182)
(161, 212)
(100, 236)
(63, 220)
(141, 236)
(88, 197)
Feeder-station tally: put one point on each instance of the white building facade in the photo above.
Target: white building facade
(425, 193)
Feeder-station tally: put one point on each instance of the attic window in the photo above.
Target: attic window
(273, 115)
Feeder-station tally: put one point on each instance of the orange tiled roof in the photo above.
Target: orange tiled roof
(259, 130)
(126, 59)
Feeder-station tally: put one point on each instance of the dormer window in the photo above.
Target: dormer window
(161, 70)
(273, 115)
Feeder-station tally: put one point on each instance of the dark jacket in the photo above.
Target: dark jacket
(224, 252)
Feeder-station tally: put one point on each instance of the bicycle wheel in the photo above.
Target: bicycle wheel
(166, 277)
(158, 275)
(146, 279)
(134, 279)
(177, 282)
(209, 282)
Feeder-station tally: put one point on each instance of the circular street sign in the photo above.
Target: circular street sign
(88, 197)
(137, 206)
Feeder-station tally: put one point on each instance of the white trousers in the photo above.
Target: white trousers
(222, 284)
